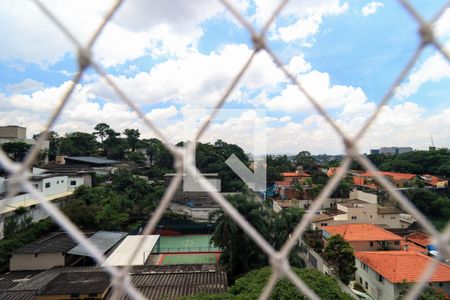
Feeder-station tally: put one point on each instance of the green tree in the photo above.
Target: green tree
(16, 150)
(101, 130)
(132, 138)
(251, 285)
(305, 159)
(78, 144)
(240, 253)
(54, 144)
(339, 254)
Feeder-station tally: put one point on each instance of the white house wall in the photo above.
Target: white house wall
(54, 185)
(378, 290)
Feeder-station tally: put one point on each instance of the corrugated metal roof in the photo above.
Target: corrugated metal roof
(154, 282)
(122, 254)
(91, 160)
(55, 242)
(103, 240)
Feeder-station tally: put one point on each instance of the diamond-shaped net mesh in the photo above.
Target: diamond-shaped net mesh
(184, 163)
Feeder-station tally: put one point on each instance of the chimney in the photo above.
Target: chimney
(60, 160)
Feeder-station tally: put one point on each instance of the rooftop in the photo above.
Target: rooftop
(386, 210)
(91, 160)
(419, 238)
(154, 282)
(353, 203)
(397, 266)
(394, 175)
(362, 232)
(102, 240)
(295, 174)
(53, 243)
(77, 283)
(122, 255)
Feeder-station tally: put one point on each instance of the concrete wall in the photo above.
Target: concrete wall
(368, 197)
(368, 279)
(41, 261)
(54, 185)
(13, 132)
(74, 181)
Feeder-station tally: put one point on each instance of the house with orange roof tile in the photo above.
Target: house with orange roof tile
(434, 181)
(297, 176)
(364, 237)
(399, 180)
(361, 208)
(382, 274)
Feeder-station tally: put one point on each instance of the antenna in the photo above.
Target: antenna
(432, 147)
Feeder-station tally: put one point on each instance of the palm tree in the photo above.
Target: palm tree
(240, 253)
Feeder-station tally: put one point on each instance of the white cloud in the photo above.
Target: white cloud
(159, 114)
(198, 79)
(26, 86)
(318, 85)
(371, 8)
(299, 20)
(433, 69)
(139, 27)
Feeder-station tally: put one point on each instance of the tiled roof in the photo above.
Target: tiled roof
(52, 243)
(412, 247)
(295, 174)
(394, 175)
(362, 232)
(398, 266)
(419, 239)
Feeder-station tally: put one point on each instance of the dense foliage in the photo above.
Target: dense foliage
(116, 206)
(416, 162)
(21, 238)
(16, 150)
(240, 252)
(436, 207)
(339, 254)
(252, 284)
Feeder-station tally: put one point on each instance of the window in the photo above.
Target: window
(57, 182)
(371, 216)
(73, 182)
(353, 217)
(396, 243)
(440, 284)
(323, 224)
(47, 185)
(392, 218)
(360, 280)
(380, 278)
(371, 244)
(36, 185)
(62, 181)
(366, 285)
(382, 216)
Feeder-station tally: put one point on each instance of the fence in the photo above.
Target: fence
(278, 259)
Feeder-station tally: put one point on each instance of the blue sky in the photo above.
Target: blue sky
(173, 57)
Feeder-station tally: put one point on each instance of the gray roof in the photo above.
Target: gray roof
(68, 283)
(154, 282)
(103, 240)
(53, 243)
(92, 160)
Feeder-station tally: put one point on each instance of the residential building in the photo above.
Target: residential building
(364, 237)
(13, 133)
(55, 187)
(382, 274)
(434, 181)
(297, 176)
(391, 150)
(153, 282)
(361, 208)
(399, 180)
(45, 253)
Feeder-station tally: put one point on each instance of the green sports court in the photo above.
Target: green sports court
(184, 244)
(188, 258)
